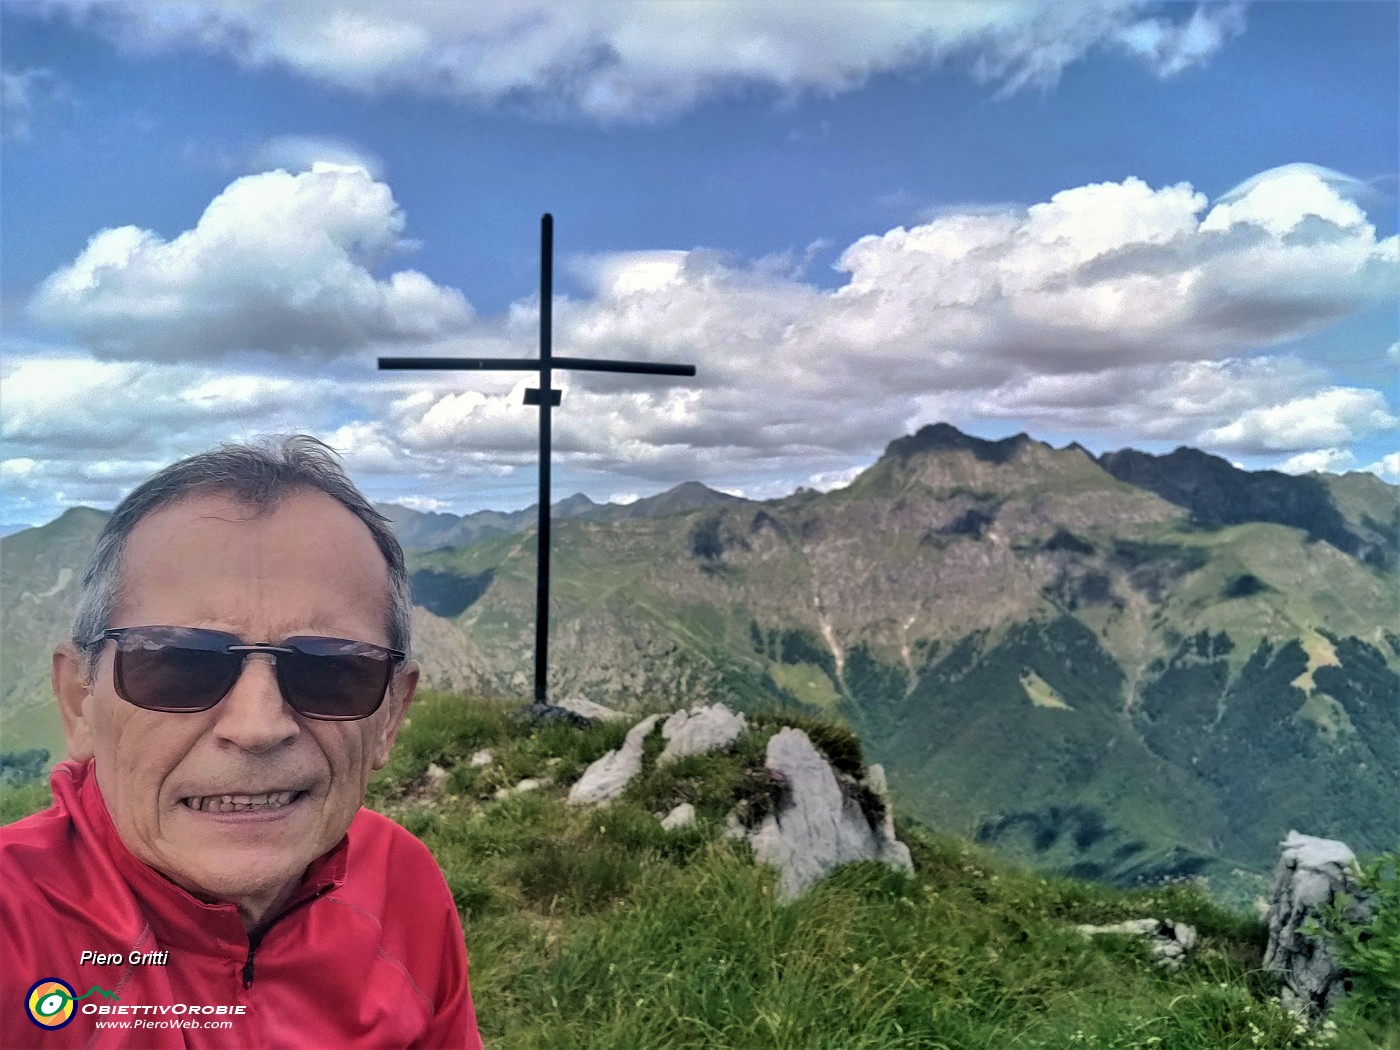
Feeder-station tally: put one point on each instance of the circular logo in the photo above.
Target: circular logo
(50, 1003)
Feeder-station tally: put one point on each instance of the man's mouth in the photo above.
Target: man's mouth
(268, 800)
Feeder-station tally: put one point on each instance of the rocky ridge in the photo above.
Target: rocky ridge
(816, 821)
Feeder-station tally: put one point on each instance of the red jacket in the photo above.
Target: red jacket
(368, 952)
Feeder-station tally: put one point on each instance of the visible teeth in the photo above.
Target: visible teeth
(240, 803)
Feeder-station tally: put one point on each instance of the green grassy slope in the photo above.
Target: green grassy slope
(597, 928)
(39, 571)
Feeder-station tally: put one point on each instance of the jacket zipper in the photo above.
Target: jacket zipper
(253, 944)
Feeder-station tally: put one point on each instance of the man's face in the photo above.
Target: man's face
(308, 568)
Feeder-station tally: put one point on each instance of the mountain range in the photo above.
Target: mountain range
(418, 530)
(1130, 667)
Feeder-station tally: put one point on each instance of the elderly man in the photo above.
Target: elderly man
(206, 876)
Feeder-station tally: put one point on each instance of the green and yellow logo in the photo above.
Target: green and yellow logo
(49, 1003)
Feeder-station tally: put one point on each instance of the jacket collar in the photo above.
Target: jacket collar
(178, 919)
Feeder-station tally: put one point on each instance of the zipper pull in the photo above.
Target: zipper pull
(248, 970)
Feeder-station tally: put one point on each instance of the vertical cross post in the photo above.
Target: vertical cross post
(546, 393)
(547, 398)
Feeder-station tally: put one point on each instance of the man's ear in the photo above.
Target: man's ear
(71, 690)
(401, 691)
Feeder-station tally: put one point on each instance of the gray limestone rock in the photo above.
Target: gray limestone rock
(544, 714)
(682, 816)
(1171, 941)
(588, 709)
(480, 758)
(528, 784)
(435, 780)
(821, 826)
(699, 731)
(606, 778)
(875, 780)
(1138, 927)
(1186, 936)
(1310, 873)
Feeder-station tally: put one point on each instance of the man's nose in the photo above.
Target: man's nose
(253, 716)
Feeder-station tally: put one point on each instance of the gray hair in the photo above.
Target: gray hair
(258, 476)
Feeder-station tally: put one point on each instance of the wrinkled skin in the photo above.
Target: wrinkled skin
(307, 567)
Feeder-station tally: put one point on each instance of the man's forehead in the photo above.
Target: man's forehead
(301, 565)
(228, 505)
(218, 512)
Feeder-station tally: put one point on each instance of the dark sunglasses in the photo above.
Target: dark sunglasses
(186, 669)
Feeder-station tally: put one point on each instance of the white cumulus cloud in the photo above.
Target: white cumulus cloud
(278, 262)
(1281, 198)
(1110, 311)
(1103, 276)
(1171, 402)
(623, 61)
(830, 480)
(1097, 311)
(1388, 466)
(1319, 461)
(1329, 418)
(300, 153)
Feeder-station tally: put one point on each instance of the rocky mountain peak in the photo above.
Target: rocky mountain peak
(944, 437)
(691, 488)
(80, 519)
(572, 506)
(687, 496)
(1218, 493)
(945, 462)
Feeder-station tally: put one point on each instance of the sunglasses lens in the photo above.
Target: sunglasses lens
(182, 669)
(172, 669)
(333, 678)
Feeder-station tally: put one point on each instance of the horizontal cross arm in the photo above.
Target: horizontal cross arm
(532, 364)
(496, 364)
(589, 364)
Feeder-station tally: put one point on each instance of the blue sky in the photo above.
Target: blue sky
(1119, 223)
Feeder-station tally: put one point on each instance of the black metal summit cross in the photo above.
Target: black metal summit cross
(546, 397)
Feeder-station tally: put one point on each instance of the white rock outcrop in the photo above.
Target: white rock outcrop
(819, 826)
(606, 778)
(699, 731)
(1171, 941)
(680, 817)
(1310, 873)
(480, 758)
